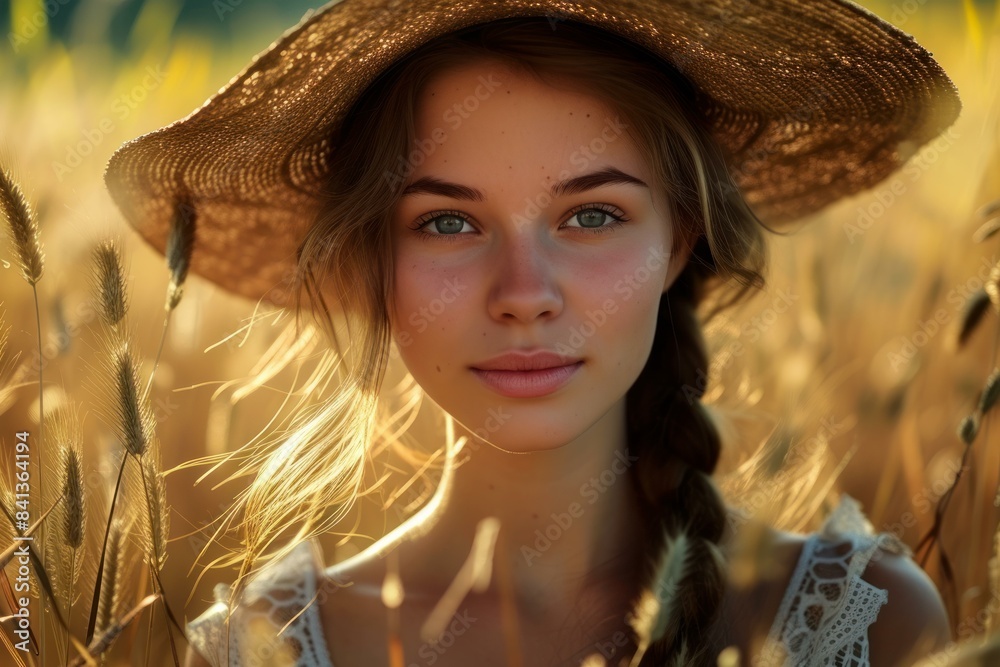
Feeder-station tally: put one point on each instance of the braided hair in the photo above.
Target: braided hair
(678, 447)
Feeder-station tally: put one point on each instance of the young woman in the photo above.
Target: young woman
(528, 201)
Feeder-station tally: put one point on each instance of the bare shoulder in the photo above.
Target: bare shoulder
(913, 621)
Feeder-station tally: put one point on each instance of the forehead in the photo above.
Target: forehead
(485, 118)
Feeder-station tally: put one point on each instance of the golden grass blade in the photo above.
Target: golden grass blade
(110, 598)
(109, 283)
(22, 226)
(180, 246)
(655, 607)
(170, 618)
(40, 572)
(73, 527)
(7, 374)
(66, 535)
(133, 421)
(95, 602)
(156, 504)
(105, 641)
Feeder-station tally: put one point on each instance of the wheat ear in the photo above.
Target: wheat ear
(111, 586)
(22, 224)
(656, 607)
(180, 247)
(112, 293)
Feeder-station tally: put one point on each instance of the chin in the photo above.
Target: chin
(532, 433)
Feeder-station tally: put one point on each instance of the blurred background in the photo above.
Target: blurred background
(850, 373)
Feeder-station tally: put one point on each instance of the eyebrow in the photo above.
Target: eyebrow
(606, 176)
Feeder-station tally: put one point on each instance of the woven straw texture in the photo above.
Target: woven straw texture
(813, 100)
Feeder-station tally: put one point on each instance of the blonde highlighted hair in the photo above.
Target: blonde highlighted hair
(313, 476)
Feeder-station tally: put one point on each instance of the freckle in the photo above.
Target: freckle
(534, 515)
(491, 487)
(438, 368)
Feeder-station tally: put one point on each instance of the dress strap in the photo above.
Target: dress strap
(276, 620)
(828, 607)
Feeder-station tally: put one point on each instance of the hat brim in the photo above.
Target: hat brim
(813, 101)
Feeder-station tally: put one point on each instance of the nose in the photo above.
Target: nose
(525, 284)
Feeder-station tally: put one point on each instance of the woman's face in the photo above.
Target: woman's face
(502, 263)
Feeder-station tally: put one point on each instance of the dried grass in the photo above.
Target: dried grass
(22, 226)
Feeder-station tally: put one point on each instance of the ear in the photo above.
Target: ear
(679, 255)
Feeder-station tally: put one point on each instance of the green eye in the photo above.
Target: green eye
(592, 217)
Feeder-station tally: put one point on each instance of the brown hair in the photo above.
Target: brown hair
(672, 433)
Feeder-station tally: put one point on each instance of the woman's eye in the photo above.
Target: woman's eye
(594, 218)
(598, 218)
(445, 224)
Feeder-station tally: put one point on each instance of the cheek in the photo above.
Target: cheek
(620, 298)
(626, 284)
(428, 300)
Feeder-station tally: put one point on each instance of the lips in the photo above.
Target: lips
(519, 360)
(527, 375)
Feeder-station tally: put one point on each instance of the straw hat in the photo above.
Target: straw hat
(813, 101)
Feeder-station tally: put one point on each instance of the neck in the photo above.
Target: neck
(570, 518)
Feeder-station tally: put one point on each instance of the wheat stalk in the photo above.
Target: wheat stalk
(156, 524)
(111, 584)
(135, 425)
(73, 525)
(156, 505)
(180, 247)
(112, 294)
(656, 607)
(7, 383)
(63, 541)
(134, 421)
(22, 225)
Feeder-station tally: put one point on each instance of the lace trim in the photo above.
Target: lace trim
(823, 620)
(276, 622)
(828, 608)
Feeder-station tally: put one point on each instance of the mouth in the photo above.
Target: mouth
(527, 383)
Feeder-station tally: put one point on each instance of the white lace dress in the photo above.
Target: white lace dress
(823, 618)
